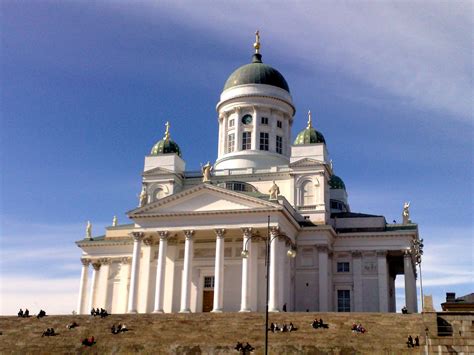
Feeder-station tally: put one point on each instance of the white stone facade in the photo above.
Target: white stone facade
(182, 251)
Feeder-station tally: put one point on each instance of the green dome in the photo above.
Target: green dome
(336, 183)
(256, 73)
(165, 147)
(309, 136)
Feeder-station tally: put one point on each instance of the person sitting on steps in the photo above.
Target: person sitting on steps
(88, 341)
(404, 310)
(72, 325)
(27, 313)
(417, 341)
(20, 313)
(291, 327)
(410, 342)
(41, 314)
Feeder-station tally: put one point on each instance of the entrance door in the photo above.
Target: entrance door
(207, 300)
(208, 294)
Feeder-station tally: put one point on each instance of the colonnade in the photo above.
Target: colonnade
(98, 299)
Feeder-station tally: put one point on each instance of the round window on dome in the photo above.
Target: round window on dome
(247, 119)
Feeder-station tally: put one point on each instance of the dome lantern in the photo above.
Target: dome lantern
(309, 135)
(166, 145)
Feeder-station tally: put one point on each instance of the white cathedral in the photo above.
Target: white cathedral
(200, 241)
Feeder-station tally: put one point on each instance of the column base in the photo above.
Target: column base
(245, 310)
(133, 311)
(160, 311)
(216, 311)
(187, 310)
(274, 310)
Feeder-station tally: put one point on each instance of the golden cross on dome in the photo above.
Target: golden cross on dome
(167, 132)
(309, 120)
(256, 45)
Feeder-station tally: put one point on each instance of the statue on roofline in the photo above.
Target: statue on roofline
(274, 191)
(406, 213)
(143, 197)
(206, 172)
(114, 221)
(89, 230)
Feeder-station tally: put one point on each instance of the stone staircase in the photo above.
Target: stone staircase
(217, 333)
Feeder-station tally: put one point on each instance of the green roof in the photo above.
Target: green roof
(336, 183)
(256, 73)
(309, 136)
(165, 146)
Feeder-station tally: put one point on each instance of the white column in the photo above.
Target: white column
(104, 283)
(323, 278)
(247, 245)
(132, 297)
(219, 272)
(186, 275)
(272, 296)
(144, 302)
(83, 286)
(221, 142)
(124, 284)
(382, 273)
(410, 283)
(238, 130)
(93, 290)
(160, 272)
(357, 277)
(255, 144)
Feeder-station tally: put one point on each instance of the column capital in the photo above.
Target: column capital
(381, 253)
(322, 248)
(96, 265)
(85, 261)
(220, 233)
(247, 231)
(407, 253)
(189, 234)
(356, 254)
(163, 235)
(148, 241)
(104, 261)
(275, 230)
(126, 260)
(137, 236)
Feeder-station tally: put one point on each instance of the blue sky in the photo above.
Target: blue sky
(86, 88)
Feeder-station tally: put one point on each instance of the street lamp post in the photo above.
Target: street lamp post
(418, 249)
(291, 253)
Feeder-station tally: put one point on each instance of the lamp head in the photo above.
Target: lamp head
(244, 254)
(291, 253)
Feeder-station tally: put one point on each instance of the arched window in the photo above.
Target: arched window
(307, 193)
(159, 193)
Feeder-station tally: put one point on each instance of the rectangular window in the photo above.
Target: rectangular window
(230, 142)
(263, 141)
(208, 281)
(246, 140)
(264, 120)
(231, 123)
(343, 267)
(279, 124)
(279, 144)
(343, 300)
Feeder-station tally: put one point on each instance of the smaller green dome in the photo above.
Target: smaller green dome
(309, 135)
(166, 145)
(335, 182)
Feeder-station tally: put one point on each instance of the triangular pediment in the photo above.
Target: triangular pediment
(204, 198)
(157, 171)
(306, 162)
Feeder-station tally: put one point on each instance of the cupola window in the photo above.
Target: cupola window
(279, 124)
(279, 144)
(307, 193)
(230, 142)
(231, 123)
(246, 140)
(247, 119)
(263, 141)
(264, 120)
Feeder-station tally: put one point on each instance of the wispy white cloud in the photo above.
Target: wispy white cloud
(419, 52)
(55, 296)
